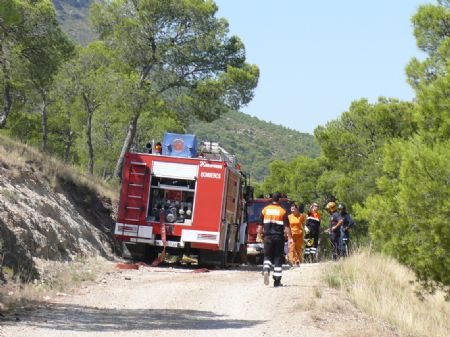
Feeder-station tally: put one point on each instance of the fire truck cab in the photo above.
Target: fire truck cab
(189, 201)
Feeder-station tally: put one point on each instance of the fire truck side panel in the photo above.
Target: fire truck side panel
(209, 194)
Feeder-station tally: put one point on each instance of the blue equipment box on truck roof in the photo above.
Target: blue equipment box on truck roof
(179, 145)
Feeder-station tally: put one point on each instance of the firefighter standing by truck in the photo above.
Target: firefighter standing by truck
(274, 220)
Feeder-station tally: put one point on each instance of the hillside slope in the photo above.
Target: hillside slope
(73, 16)
(256, 143)
(48, 211)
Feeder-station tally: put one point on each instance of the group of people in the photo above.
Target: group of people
(277, 225)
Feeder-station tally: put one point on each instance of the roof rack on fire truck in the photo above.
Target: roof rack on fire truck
(213, 150)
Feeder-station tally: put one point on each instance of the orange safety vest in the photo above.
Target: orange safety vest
(313, 219)
(273, 214)
(274, 219)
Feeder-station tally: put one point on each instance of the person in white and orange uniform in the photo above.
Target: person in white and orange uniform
(312, 229)
(273, 223)
(296, 220)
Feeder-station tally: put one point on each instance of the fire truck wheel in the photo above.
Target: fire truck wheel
(210, 258)
(139, 252)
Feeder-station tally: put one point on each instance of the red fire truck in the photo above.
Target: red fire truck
(185, 200)
(255, 250)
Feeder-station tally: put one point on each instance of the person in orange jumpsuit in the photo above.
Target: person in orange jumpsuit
(296, 220)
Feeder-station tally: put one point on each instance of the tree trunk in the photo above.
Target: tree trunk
(44, 124)
(7, 99)
(7, 105)
(68, 146)
(70, 137)
(126, 144)
(90, 113)
(90, 165)
(132, 127)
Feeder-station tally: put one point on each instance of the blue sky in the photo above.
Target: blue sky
(316, 57)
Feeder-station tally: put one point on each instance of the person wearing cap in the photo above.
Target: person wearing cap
(296, 220)
(336, 222)
(312, 228)
(273, 222)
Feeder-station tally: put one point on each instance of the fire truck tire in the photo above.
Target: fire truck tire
(210, 259)
(140, 252)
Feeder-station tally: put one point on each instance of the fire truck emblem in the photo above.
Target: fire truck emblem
(178, 145)
(205, 164)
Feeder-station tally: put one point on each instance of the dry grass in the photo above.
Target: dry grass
(57, 279)
(17, 155)
(385, 290)
(330, 310)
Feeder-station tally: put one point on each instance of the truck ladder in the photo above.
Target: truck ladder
(138, 179)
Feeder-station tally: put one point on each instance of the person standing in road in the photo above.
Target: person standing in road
(274, 222)
(296, 220)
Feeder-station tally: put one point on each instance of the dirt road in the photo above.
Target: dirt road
(178, 302)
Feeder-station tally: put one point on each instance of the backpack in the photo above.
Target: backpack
(348, 222)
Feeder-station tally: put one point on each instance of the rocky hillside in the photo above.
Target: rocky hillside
(49, 211)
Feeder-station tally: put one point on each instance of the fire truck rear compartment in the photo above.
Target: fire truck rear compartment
(174, 196)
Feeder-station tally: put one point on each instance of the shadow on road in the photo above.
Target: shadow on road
(82, 318)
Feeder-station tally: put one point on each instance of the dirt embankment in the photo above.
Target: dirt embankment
(48, 216)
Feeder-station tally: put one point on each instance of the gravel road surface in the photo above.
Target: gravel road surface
(180, 302)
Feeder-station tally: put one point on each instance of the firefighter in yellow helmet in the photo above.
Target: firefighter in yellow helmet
(274, 220)
(335, 230)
